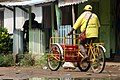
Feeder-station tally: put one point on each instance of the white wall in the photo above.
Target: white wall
(38, 13)
(20, 18)
(8, 20)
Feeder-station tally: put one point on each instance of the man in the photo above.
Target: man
(91, 29)
(34, 24)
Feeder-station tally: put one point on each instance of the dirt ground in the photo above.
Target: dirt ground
(33, 72)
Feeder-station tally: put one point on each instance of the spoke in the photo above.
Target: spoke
(99, 62)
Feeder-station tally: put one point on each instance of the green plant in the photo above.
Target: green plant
(6, 60)
(5, 41)
(27, 60)
(41, 61)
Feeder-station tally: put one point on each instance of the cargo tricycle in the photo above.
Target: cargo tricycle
(65, 49)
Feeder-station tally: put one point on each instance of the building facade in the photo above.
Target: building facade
(52, 16)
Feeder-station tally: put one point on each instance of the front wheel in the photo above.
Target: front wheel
(97, 59)
(54, 57)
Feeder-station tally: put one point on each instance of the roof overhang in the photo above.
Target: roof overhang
(26, 3)
(62, 3)
(11, 0)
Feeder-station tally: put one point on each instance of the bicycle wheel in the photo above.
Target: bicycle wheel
(98, 65)
(54, 57)
(83, 65)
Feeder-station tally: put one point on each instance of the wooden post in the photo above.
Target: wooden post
(58, 15)
(14, 23)
(73, 19)
(73, 14)
(52, 16)
(30, 25)
(14, 15)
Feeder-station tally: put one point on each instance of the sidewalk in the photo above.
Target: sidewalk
(113, 63)
(114, 60)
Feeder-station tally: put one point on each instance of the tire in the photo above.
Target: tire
(99, 64)
(83, 65)
(54, 57)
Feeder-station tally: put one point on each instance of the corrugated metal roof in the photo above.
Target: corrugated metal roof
(29, 2)
(11, 0)
(69, 2)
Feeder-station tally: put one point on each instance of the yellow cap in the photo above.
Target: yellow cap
(88, 8)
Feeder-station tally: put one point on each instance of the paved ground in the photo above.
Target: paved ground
(113, 63)
(112, 69)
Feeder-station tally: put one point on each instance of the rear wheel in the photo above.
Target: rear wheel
(98, 64)
(54, 57)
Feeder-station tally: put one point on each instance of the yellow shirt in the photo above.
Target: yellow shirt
(93, 25)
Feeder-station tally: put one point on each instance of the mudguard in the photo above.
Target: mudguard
(60, 48)
(103, 48)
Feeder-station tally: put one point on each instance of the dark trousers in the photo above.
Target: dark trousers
(88, 40)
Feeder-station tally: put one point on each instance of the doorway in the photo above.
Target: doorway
(47, 24)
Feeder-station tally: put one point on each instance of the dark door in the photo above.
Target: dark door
(118, 25)
(47, 24)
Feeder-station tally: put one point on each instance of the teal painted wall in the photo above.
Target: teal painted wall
(107, 30)
(105, 24)
(113, 26)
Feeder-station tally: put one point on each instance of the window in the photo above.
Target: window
(66, 15)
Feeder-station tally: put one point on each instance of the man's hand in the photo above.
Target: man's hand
(68, 34)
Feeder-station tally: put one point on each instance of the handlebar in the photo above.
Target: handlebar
(76, 34)
(72, 34)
